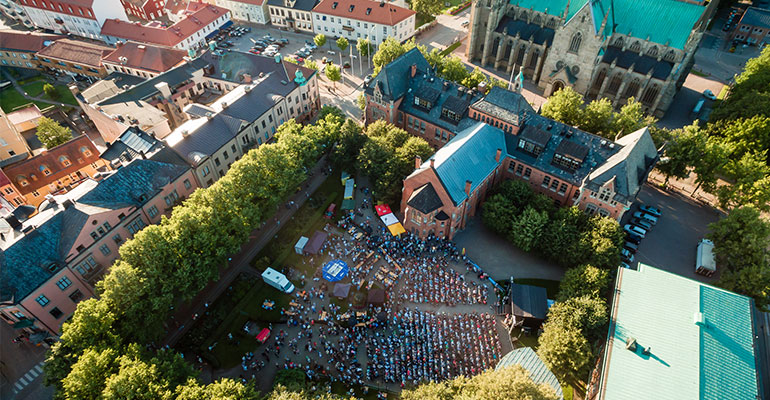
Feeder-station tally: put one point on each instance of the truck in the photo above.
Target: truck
(705, 263)
(277, 280)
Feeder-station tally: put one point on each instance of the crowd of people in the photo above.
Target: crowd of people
(432, 280)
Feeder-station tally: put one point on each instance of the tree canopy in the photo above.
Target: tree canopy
(319, 40)
(427, 8)
(750, 96)
(51, 134)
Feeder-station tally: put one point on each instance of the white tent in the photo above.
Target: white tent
(300, 246)
(389, 219)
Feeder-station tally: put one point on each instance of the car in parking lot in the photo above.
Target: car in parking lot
(626, 255)
(465, 23)
(284, 40)
(625, 265)
(650, 210)
(633, 238)
(635, 230)
(646, 217)
(641, 223)
(632, 247)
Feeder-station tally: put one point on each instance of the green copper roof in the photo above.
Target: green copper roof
(712, 359)
(666, 22)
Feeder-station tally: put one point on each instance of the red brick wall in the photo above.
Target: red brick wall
(480, 116)
(536, 179)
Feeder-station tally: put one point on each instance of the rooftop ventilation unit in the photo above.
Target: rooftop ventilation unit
(631, 344)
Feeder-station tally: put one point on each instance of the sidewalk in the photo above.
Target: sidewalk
(241, 262)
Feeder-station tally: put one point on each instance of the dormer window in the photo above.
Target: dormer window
(422, 103)
(569, 155)
(447, 113)
(22, 180)
(533, 140)
(334, 5)
(368, 11)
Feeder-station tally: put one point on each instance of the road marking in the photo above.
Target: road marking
(23, 381)
(28, 376)
(39, 369)
(18, 386)
(33, 374)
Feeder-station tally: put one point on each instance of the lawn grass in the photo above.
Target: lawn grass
(723, 93)
(11, 100)
(524, 340)
(551, 287)
(451, 48)
(35, 89)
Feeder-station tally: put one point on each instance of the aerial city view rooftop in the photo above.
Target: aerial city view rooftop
(385, 199)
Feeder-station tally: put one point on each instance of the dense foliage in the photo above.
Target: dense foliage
(750, 96)
(511, 383)
(566, 236)
(741, 247)
(576, 324)
(99, 350)
(51, 133)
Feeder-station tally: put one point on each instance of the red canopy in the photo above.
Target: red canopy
(263, 335)
(382, 209)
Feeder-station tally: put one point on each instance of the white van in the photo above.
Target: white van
(705, 263)
(277, 280)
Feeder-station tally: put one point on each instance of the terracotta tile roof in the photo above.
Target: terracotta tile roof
(176, 6)
(253, 2)
(25, 41)
(77, 52)
(65, 6)
(146, 57)
(364, 10)
(170, 36)
(26, 118)
(33, 168)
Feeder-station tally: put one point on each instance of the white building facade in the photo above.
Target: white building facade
(357, 19)
(81, 18)
(247, 10)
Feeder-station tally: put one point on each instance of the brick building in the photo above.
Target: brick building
(753, 28)
(53, 260)
(483, 139)
(612, 49)
(55, 171)
(147, 10)
(19, 49)
(75, 58)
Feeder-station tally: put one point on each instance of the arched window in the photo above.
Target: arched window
(649, 96)
(633, 88)
(600, 79)
(653, 51)
(536, 20)
(523, 16)
(65, 161)
(618, 42)
(574, 45)
(520, 56)
(551, 23)
(614, 85)
(636, 47)
(533, 59)
(670, 56)
(44, 169)
(22, 180)
(86, 152)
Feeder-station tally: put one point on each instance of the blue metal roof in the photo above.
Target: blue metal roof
(393, 79)
(470, 155)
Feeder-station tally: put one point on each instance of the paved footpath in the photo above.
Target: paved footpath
(241, 262)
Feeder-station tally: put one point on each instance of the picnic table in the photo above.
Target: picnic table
(293, 304)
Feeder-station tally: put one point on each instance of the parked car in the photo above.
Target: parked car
(253, 51)
(367, 79)
(625, 265)
(635, 230)
(465, 23)
(641, 223)
(709, 94)
(632, 247)
(627, 256)
(284, 40)
(330, 52)
(651, 210)
(646, 217)
(633, 238)
(269, 53)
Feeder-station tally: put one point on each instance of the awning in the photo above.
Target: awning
(342, 290)
(25, 323)
(349, 188)
(263, 335)
(389, 219)
(335, 270)
(396, 229)
(348, 204)
(383, 209)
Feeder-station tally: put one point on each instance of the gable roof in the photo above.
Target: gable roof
(377, 12)
(526, 31)
(756, 16)
(393, 78)
(642, 63)
(425, 199)
(30, 169)
(164, 36)
(701, 340)
(529, 360)
(145, 57)
(36, 256)
(301, 5)
(666, 22)
(470, 155)
(529, 301)
(629, 166)
(25, 41)
(76, 51)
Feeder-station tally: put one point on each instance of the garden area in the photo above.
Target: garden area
(11, 99)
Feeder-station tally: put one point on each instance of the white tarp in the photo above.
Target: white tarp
(389, 219)
(300, 246)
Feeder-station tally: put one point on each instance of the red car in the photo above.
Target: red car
(330, 211)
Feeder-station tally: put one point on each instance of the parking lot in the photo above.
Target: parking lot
(671, 243)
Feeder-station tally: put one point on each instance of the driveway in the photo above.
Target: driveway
(671, 243)
(500, 259)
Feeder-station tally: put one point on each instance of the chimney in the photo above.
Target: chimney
(246, 78)
(432, 163)
(414, 70)
(417, 162)
(497, 156)
(468, 188)
(74, 89)
(164, 89)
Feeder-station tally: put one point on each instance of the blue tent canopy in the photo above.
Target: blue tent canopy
(335, 270)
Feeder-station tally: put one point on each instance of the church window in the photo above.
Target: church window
(551, 23)
(574, 45)
(653, 51)
(618, 42)
(670, 56)
(536, 20)
(520, 56)
(650, 94)
(600, 79)
(614, 85)
(633, 88)
(636, 47)
(533, 60)
(523, 16)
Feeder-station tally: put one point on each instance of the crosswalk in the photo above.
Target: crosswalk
(30, 376)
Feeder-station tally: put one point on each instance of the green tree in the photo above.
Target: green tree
(597, 117)
(293, 379)
(750, 96)
(564, 106)
(454, 70)
(631, 118)
(510, 383)
(364, 47)
(223, 389)
(436, 60)
(748, 135)
(51, 134)
(389, 50)
(565, 351)
(585, 280)
(50, 91)
(86, 380)
(605, 238)
(427, 8)
(320, 40)
(498, 214)
(711, 155)
(312, 64)
(333, 73)
(561, 238)
(350, 144)
(473, 79)
(527, 228)
(750, 183)
(291, 60)
(342, 44)
(740, 246)
(586, 313)
(330, 110)
(680, 152)
(361, 101)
